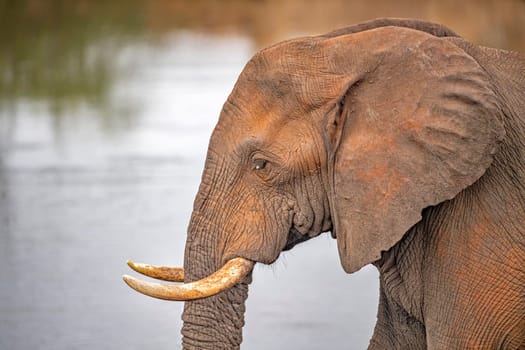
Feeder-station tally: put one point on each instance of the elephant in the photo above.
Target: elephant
(404, 141)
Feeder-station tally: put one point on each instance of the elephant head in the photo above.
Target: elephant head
(353, 132)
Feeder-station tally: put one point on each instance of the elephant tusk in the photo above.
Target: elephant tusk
(165, 273)
(226, 277)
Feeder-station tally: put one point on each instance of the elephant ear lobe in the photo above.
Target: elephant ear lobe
(422, 126)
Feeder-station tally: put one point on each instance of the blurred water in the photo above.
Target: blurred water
(80, 195)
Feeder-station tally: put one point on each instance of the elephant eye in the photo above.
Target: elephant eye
(259, 164)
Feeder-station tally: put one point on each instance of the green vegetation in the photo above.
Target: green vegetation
(62, 52)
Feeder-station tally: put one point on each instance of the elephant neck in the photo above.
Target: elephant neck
(401, 271)
(446, 265)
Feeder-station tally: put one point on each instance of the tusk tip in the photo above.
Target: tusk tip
(128, 279)
(132, 282)
(165, 273)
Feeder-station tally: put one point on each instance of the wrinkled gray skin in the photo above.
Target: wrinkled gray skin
(406, 142)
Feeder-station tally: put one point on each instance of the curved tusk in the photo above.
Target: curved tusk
(226, 277)
(165, 273)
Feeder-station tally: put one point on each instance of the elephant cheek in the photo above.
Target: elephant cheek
(259, 234)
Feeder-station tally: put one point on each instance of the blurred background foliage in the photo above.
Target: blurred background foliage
(62, 51)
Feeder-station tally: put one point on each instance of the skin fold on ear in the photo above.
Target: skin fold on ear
(421, 124)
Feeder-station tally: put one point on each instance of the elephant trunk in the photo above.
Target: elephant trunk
(215, 322)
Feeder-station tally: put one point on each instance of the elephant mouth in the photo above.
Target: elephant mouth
(223, 279)
(294, 238)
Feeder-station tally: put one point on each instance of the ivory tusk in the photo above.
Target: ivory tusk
(226, 277)
(165, 273)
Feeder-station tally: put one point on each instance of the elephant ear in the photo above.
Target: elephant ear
(416, 122)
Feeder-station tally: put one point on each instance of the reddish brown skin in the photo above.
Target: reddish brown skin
(405, 141)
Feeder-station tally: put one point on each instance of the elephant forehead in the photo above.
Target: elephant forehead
(289, 140)
(294, 72)
(262, 114)
(273, 133)
(279, 92)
